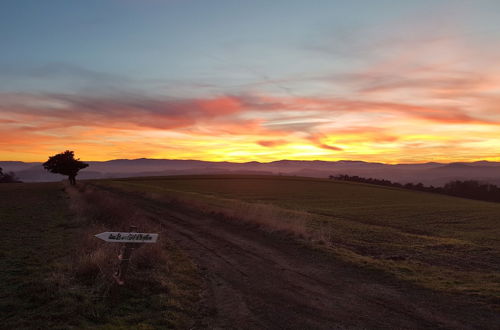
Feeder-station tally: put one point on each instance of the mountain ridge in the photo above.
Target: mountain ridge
(428, 173)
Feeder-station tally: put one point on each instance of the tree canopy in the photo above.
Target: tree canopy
(8, 177)
(65, 164)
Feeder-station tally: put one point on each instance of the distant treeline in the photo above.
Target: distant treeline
(8, 177)
(468, 189)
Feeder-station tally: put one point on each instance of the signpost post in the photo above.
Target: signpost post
(130, 240)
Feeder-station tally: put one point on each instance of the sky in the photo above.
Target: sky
(234, 80)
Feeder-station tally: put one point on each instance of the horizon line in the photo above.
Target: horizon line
(269, 162)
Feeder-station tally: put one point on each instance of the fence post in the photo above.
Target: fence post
(124, 257)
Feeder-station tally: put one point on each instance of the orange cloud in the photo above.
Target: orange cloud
(237, 127)
(271, 143)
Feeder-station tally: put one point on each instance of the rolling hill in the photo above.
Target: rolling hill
(427, 173)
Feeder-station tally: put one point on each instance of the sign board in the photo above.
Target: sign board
(119, 237)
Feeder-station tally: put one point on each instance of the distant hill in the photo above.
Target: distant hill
(427, 173)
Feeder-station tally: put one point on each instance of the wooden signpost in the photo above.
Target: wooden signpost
(131, 240)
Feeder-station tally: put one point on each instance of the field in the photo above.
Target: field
(55, 275)
(248, 252)
(440, 242)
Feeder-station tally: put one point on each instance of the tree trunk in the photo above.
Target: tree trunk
(72, 180)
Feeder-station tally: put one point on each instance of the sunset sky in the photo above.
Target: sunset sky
(388, 81)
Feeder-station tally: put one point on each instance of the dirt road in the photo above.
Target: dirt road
(257, 280)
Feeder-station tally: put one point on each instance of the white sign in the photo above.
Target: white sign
(127, 237)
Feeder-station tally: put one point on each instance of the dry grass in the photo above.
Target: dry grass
(96, 260)
(148, 257)
(101, 207)
(57, 275)
(271, 218)
(151, 273)
(268, 217)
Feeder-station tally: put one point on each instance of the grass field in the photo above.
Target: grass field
(55, 275)
(440, 242)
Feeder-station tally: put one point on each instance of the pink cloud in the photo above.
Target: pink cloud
(317, 140)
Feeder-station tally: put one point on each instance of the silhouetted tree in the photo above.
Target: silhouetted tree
(8, 177)
(65, 164)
